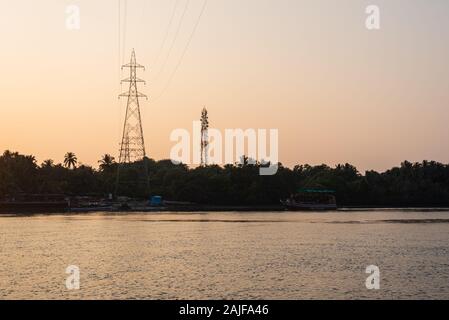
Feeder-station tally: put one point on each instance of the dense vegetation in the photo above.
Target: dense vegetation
(411, 184)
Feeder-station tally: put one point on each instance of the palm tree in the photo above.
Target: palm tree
(48, 163)
(106, 162)
(70, 160)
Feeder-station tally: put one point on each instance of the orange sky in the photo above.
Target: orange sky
(336, 91)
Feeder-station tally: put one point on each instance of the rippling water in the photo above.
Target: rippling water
(226, 255)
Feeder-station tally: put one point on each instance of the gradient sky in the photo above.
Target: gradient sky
(336, 91)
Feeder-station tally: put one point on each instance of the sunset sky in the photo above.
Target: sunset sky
(336, 91)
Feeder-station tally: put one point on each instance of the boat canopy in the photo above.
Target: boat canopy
(316, 191)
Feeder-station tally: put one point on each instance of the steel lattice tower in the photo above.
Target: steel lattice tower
(204, 137)
(132, 147)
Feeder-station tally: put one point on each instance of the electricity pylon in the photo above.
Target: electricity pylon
(132, 147)
(204, 137)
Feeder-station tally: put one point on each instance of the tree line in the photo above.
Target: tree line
(411, 184)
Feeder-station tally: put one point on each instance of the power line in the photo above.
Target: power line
(183, 53)
(144, 9)
(125, 15)
(173, 41)
(119, 72)
(166, 32)
(119, 30)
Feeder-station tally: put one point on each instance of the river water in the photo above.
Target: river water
(277, 255)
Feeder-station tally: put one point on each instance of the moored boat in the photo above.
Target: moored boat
(311, 200)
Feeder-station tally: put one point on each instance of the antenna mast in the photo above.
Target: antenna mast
(204, 137)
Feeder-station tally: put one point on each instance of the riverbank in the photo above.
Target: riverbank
(183, 208)
(208, 209)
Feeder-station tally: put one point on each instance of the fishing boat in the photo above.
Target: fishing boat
(311, 200)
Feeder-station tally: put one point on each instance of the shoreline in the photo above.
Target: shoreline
(206, 209)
